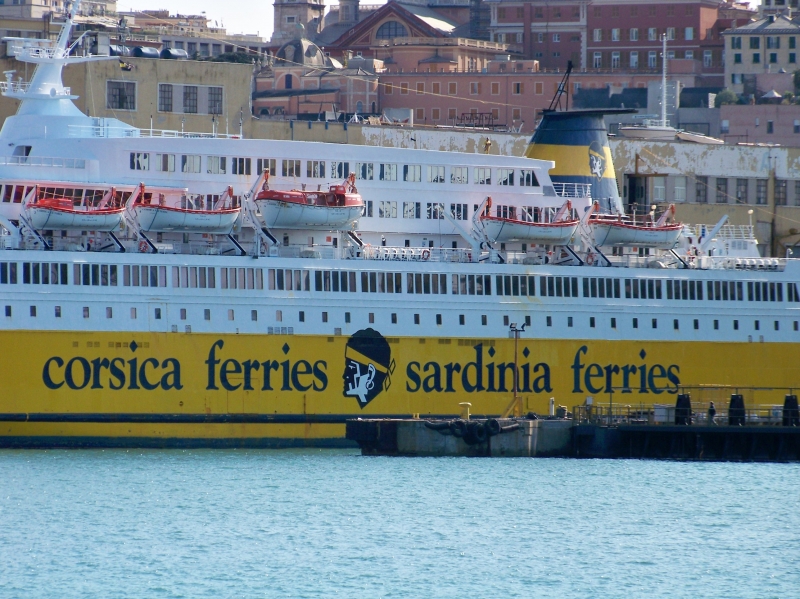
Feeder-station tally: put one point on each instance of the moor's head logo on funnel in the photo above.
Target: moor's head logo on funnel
(597, 159)
(368, 366)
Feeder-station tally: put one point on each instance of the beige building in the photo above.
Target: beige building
(177, 95)
(768, 45)
(749, 183)
(38, 9)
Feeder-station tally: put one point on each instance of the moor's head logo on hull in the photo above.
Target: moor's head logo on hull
(368, 366)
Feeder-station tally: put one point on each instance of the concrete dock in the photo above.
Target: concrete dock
(682, 432)
(457, 437)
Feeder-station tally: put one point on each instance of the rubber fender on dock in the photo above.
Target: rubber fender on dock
(493, 427)
(438, 426)
(509, 428)
(458, 428)
(476, 433)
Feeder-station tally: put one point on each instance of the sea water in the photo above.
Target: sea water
(323, 523)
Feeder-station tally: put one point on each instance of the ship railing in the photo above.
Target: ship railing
(23, 87)
(50, 162)
(573, 190)
(668, 415)
(102, 131)
(665, 260)
(726, 232)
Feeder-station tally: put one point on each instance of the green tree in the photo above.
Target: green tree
(724, 97)
(237, 57)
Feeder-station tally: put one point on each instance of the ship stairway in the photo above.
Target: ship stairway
(254, 219)
(27, 225)
(355, 239)
(588, 246)
(116, 243)
(573, 256)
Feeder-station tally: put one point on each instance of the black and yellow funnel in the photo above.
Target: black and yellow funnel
(577, 141)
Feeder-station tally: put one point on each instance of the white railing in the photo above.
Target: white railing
(42, 161)
(573, 190)
(20, 87)
(116, 132)
(726, 232)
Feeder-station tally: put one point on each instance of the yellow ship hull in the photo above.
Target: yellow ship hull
(157, 389)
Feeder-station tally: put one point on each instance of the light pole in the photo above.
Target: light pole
(516, 331)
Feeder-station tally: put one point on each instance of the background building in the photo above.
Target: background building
(759, 49)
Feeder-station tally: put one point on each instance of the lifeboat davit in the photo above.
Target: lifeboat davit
(338, 208)
(61, 214)
(559, 231)
(618, 230)
(159, 216)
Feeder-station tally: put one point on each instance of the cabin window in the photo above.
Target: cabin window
(435, 174)
(86, 311)
(483, 176)
(459, 211)
(340, 170)
(434, 211)
(364, 170)
(411, 209)
(269, 165)
(527, 178)
(140, 161)
(217, 165)
(241, 166)
(505, 176)
(412, 173)
(387, 209)
(388, 172)
(189, 164)
(230, 314)
(459, 175)
(315, 169)
(165, 163)
(289, 168)
(207, 314)
(367, 209)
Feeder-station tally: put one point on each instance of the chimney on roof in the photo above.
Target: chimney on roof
(772, 18)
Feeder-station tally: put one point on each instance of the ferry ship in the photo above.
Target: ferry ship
(186, 317)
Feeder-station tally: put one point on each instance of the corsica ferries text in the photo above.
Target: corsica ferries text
(367, 372)
(149, 374)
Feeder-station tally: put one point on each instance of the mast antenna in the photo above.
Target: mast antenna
(563, 90)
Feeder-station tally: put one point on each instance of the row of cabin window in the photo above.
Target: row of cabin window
(231, 316)
(299, 280)
(316, 169)
(16, 193)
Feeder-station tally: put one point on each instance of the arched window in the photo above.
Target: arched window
(359, 107)
(391, 29)
(288, 82)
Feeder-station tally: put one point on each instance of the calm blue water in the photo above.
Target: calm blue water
(332, 523)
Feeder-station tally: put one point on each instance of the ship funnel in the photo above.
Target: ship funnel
(577, 140)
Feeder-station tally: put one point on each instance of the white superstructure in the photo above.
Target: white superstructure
(415, 242)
